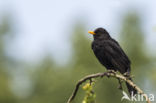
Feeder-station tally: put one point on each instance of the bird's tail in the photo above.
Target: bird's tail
(131, 90)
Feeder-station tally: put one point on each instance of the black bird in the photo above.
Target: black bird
(110, 54)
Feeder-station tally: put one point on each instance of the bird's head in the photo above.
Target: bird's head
(100, 33)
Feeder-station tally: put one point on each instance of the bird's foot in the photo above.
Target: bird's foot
(127, 75)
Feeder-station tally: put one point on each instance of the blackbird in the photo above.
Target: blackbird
(110, 54)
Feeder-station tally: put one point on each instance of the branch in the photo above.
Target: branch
(108, 74)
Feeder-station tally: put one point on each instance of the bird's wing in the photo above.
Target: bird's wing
(116, 55)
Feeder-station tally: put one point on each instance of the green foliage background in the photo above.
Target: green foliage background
(50, 83)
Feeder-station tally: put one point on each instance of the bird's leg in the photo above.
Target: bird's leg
(120, 84)
(127, 75)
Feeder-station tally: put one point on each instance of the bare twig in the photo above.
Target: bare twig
(108, 74)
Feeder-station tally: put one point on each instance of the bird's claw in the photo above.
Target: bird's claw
(127, 75)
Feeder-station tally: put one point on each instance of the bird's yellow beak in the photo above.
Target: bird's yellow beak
(91, 32)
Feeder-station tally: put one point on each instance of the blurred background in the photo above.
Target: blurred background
(45, 48)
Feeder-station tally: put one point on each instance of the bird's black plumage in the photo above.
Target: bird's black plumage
(110, 54)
